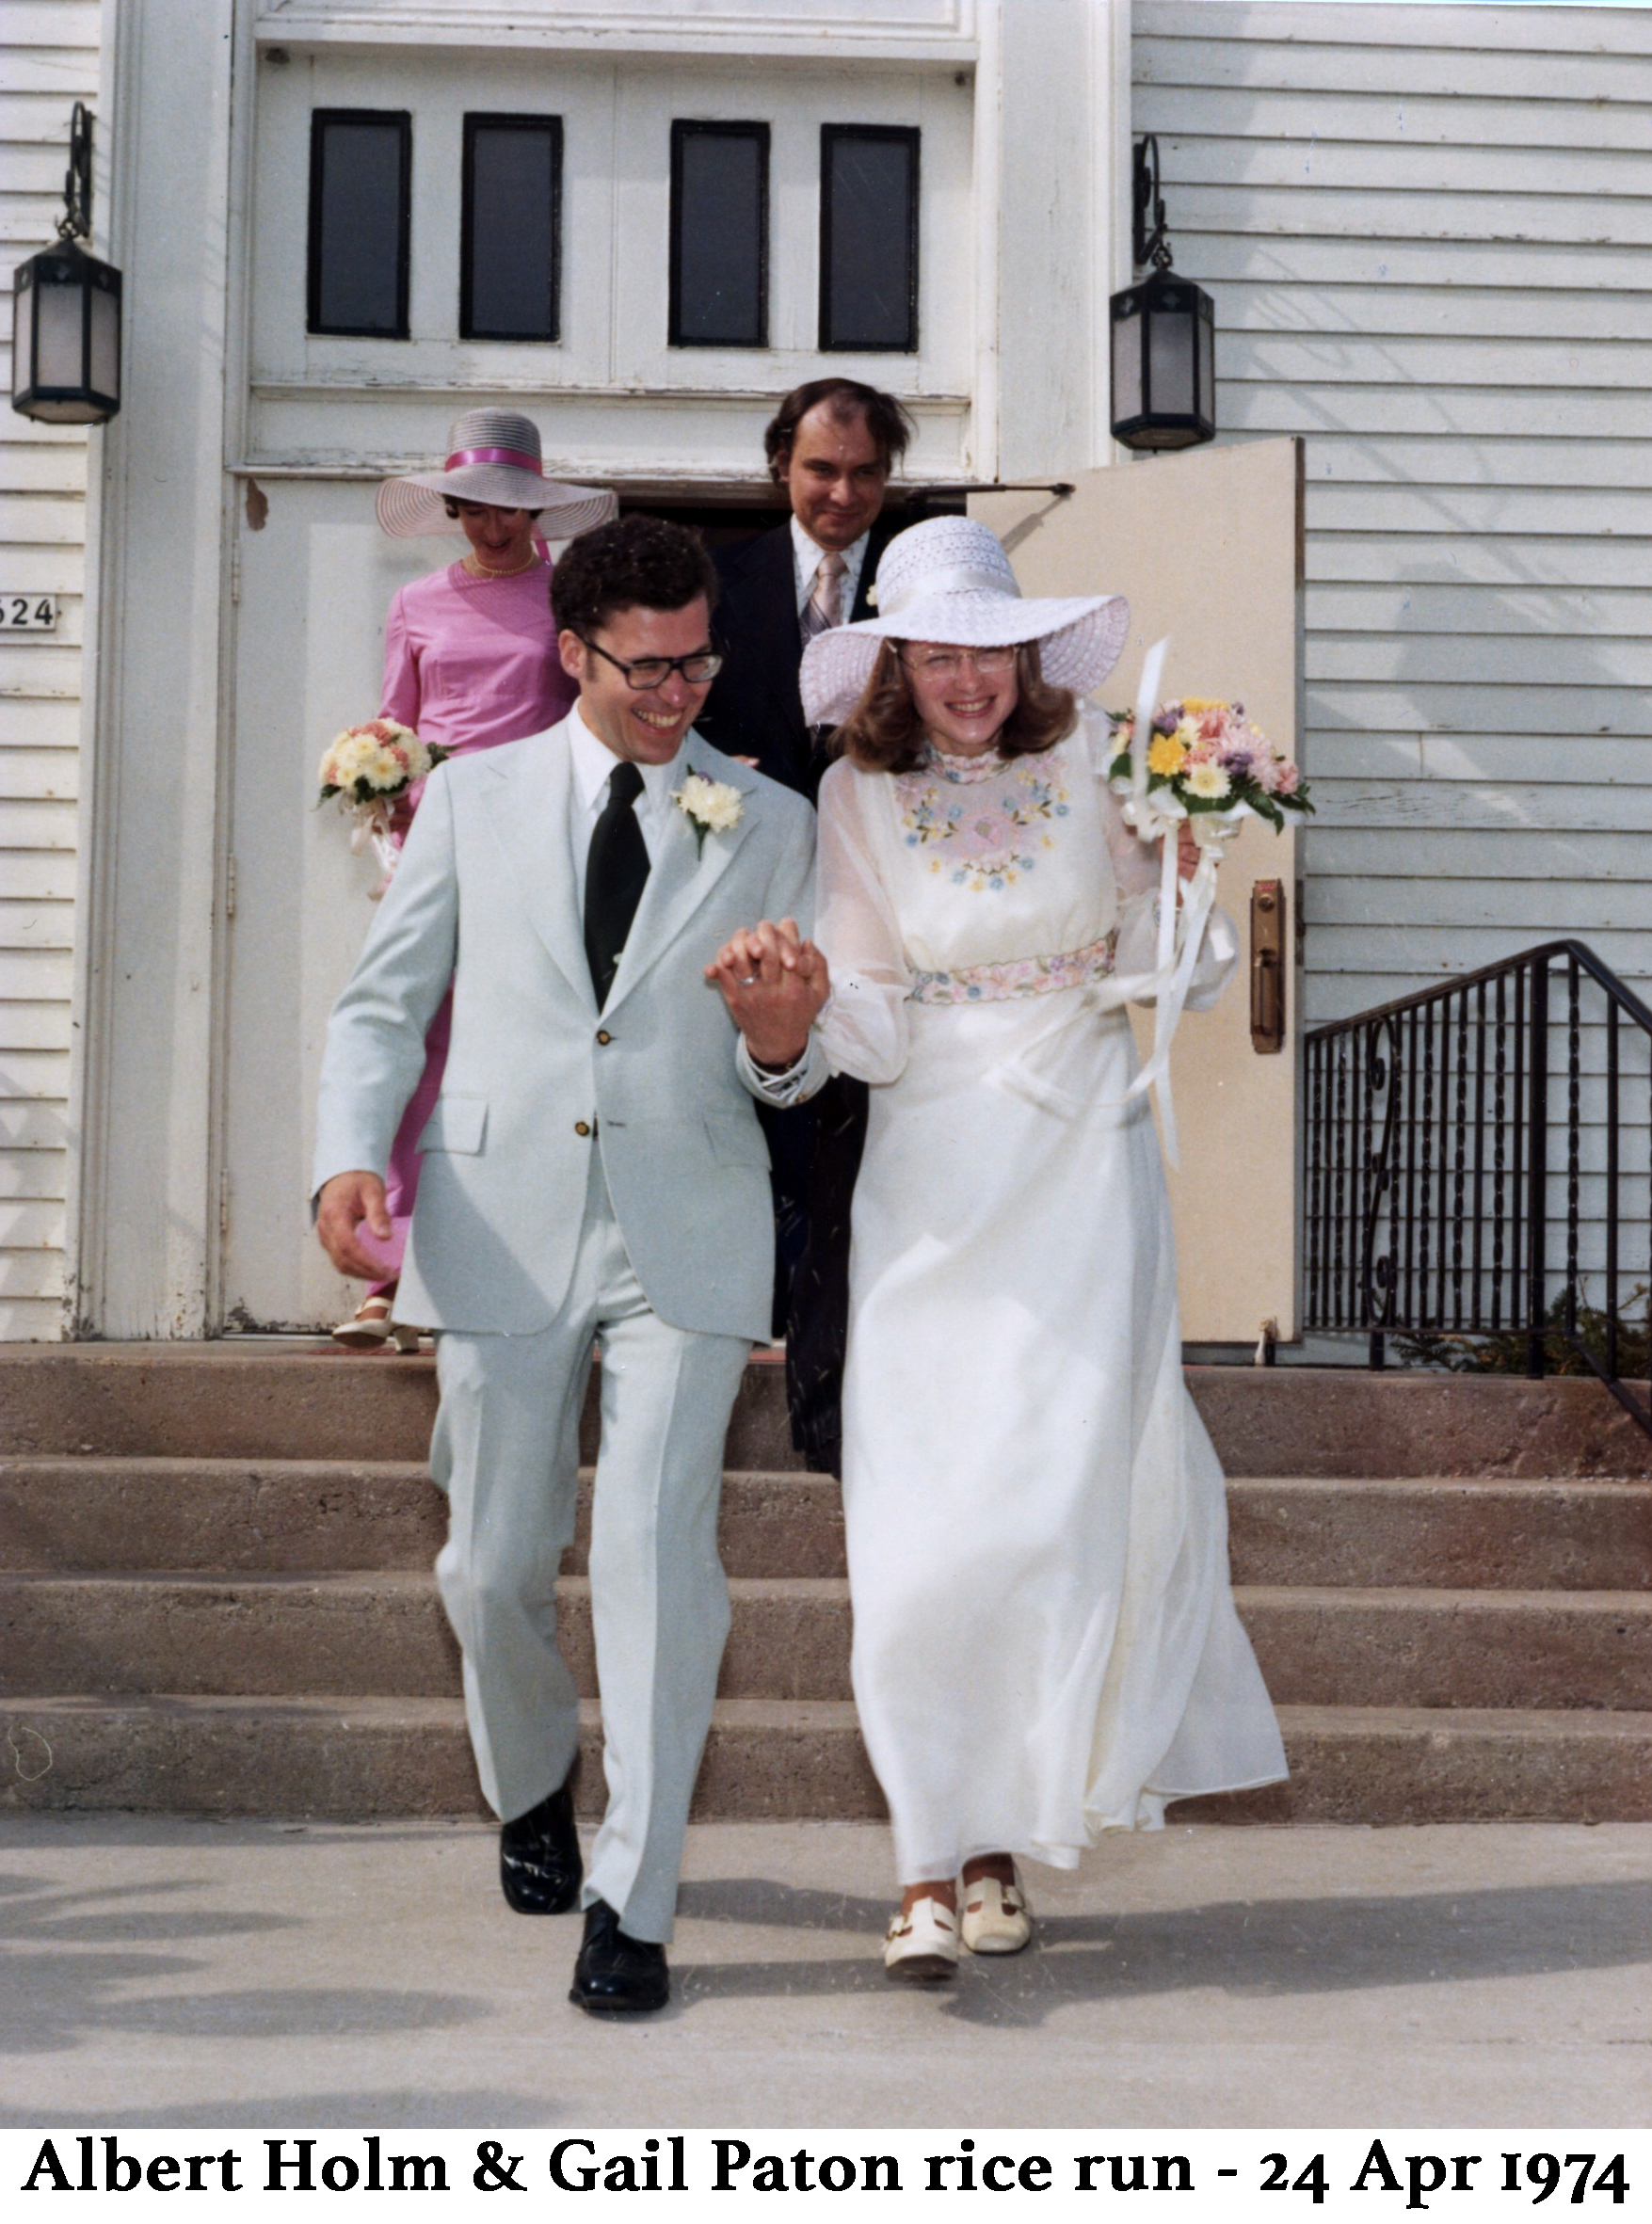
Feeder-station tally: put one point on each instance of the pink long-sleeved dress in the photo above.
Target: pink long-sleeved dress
(468, 662)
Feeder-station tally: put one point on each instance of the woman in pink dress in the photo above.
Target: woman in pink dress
(470, 660)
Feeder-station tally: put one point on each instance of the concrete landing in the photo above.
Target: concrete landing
(186, 1973)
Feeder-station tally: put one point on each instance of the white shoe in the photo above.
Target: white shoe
(997, 1919)
(370, 1327)
(921, 1948)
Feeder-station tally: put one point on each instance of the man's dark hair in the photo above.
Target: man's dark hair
(635, 560)
(846, 399)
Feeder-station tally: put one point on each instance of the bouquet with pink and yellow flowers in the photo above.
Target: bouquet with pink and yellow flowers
(368, 767)
(1209, 758)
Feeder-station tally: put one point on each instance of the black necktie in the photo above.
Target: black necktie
(616, 869)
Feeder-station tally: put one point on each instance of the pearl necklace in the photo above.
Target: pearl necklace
(477, 570)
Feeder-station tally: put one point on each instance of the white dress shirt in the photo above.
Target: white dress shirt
(593, 761)
(806, 556)
(587, 797)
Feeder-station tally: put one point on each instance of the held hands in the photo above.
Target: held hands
(345, 1203)
(774, 984)
(1187, 851)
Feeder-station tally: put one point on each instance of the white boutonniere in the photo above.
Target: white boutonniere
(711, 806)
(872, 595)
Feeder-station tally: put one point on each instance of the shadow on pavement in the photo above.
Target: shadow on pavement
(53, 1999)
(1262, 1948)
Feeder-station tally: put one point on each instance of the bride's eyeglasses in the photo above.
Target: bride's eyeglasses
(644, 672)
(946, 664)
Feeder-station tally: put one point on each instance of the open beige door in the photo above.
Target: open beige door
(1206, 547)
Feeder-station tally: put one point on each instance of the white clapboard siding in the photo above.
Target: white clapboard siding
(48, 61)
(1428, 234)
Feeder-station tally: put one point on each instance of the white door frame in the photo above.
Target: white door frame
(1050, 188)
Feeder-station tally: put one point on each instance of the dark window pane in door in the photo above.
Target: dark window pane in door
(869, 237)
(360, 164)
(719, 235)
(510, 257)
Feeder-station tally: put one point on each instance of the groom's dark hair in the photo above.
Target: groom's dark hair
(633, 560)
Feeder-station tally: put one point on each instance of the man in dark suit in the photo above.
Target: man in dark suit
(831, 445)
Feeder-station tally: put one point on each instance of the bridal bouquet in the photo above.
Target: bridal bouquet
(1206, 763)
(367, 767)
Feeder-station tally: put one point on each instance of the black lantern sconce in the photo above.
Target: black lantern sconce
(1163, 335)
(66, 311)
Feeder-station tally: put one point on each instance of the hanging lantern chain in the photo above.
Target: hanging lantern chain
(76, 221)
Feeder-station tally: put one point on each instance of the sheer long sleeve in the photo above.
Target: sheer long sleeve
(864, 1029)
(1135, 869)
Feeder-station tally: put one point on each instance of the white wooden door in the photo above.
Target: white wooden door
(314, 585)
(1205, 545)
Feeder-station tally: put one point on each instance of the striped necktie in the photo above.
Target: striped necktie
(824, 606)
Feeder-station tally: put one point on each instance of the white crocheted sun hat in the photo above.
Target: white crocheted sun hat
(493, 456)
(949, 580)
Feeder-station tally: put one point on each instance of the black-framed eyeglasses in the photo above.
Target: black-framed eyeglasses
(643, 672)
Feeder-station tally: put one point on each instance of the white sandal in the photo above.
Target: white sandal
(997, 1919)
(370, 1327)
(921, 1948)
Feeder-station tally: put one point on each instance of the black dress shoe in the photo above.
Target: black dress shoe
(539, 1856)
(615, 1975)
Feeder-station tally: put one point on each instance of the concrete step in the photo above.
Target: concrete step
(281, 1400)
(1445, 1532)
(350, 1758)
(277, 1516)
(385, 1633)
(64, 1513)
(1544, 1648)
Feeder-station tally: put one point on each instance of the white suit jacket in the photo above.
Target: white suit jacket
(537, 1079)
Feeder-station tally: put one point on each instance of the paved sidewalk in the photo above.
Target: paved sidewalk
(193, 1974)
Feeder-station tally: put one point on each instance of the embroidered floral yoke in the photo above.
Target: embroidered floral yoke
(1044, 1641)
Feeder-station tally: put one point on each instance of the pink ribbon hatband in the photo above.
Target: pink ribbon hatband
(516, 456)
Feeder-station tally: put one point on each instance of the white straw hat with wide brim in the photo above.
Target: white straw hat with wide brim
(493, 456)
(949, 580)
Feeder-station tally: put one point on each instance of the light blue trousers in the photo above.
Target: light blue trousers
(505, 1450)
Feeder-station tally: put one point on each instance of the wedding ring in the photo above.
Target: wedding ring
(747, 980)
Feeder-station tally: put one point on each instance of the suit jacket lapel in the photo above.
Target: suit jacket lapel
(531, 817)
(682, 875)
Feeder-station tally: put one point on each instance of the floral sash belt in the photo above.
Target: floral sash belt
(1017, 976)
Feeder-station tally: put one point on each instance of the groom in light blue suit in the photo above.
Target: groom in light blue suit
(594, 1177)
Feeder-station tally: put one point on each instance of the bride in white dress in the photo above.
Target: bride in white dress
(1045, 1640)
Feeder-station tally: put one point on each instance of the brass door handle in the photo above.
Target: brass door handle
(1267, 967)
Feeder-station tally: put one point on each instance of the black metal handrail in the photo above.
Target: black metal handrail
(1433, 1158)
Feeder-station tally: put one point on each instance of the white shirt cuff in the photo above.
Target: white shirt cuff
(800, 1079)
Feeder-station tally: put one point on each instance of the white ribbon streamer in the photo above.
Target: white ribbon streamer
(372, 825)
(1153, 823)
(1141, 734)
(1159, 817)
